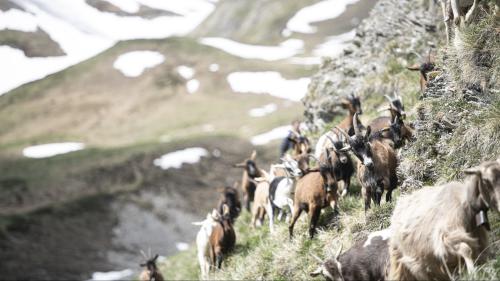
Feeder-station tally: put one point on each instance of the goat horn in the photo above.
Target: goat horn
(339, 251)
(144, 254)
(331, 140)
(355, 124)
(316, 258)
(345, 148)
(388, 98)
(343, 132)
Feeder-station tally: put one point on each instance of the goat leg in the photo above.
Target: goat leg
(471, 13)
(297, 211)
(315, 211)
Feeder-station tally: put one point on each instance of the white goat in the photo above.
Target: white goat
(435, 228)
(203, 243)
(281, 190)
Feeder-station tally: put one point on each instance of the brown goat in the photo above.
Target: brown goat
(301, 145)
(250, 172)
(222, 239)
(230, 197)
(436, 228)
(376, 166)
(260, 202)
(312, 196)
(353, 105)
(424, 68)
(150, 273)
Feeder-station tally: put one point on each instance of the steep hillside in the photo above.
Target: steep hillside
(455, 119)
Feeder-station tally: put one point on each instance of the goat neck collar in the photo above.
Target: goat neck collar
(482, 219)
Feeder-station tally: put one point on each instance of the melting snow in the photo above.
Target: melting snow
(133, 64)
(111, 275)
(276, 133)
(52, 149)
(182, 246)
(263, 111)
(185, 71)
(268, 82)
(286, 49)
(15, 19)
(334, 45)
(176, 159)
(213, 67)
(69, 23)
(324, 10)
(192, 86)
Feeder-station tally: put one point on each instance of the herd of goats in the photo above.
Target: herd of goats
(435, 232)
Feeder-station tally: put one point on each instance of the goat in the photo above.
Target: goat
(260, 202)
(436, 227)
(424, 68)
(150, 273)
(376, 166)
(301, 145)
(340, 162)
(458, 11)
(313, 192)
(230, 197)
(281, 191)
(250, 172)
(222, 239)
(353, 104)
(203, 241)
(392, 134)
(367, 259)
(394, 125)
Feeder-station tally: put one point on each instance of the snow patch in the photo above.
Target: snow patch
(192, 86)
(276, 133)
(185, 71)
(111, 275)
(324, 10)
(129, 6)
(286, 49)
(15, 19)
(334, 45)
(263, 111)
(384, 234)
(51, 149)
(177, 158)
(133, 64)
(69, 23)
(182, 246)
(269, 82)
(213, 67)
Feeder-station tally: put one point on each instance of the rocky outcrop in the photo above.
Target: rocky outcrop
(397, 31)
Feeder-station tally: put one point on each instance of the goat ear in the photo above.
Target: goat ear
(225, 209)
(414, 67)
(142, 264)
(198, 223)
(239, 165)
(385, 129)
(254, 155)
(474, 171)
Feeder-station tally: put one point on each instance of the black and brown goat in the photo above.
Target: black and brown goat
(150, 273)
(353, 105)
(301, 145)
(230, 196)
(339, 161)
(376, 166)
(367, 259)
(424, 68)
(250, 172)
(393, 127)
(313, 192)
(222, 239)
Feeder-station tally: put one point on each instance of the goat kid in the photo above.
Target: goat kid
(367, 259)
(436, 228)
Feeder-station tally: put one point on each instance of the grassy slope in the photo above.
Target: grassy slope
(260, 255)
